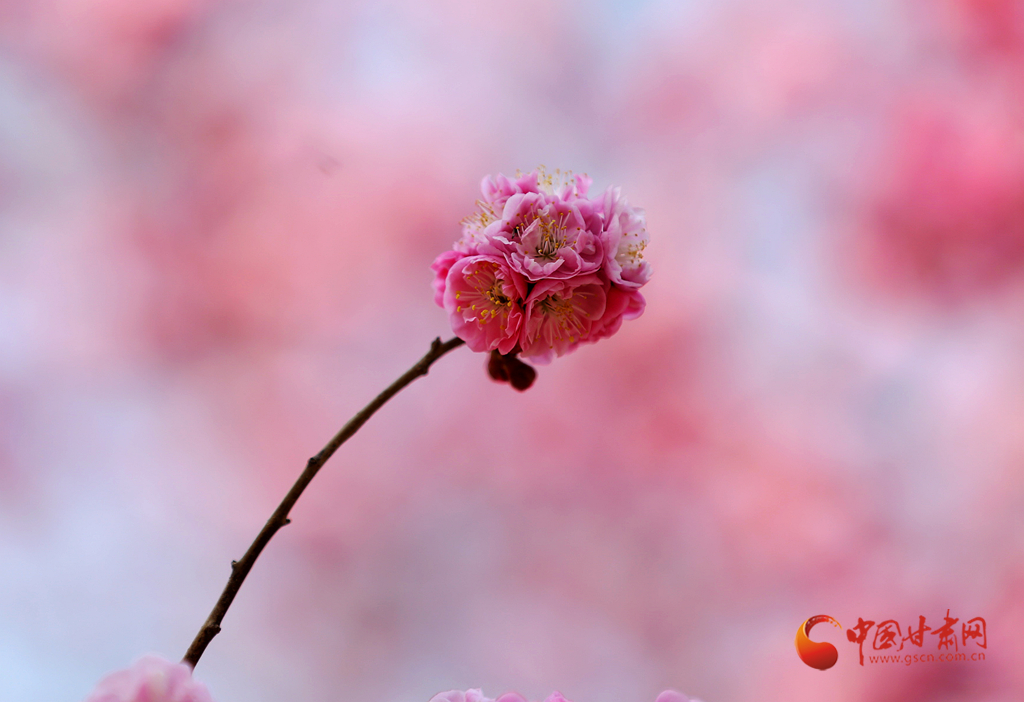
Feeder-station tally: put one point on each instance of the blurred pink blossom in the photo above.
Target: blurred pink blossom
(995, 26)
(108, 50)
(476, 695)
(948, 210)
(151, 679)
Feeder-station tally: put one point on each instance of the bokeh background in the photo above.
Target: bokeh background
(216, 224)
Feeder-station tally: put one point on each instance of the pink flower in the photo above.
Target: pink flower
(483, 298)
(473, 695)
(151, 679)
(543, 236)
(673, 696)
(541, 268)
(497, 190)
(476, 695)
(560, 315)
(624, 240)
(620, 305)
(442, 264)
(496, 193)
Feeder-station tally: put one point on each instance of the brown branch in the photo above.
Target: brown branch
(241, 568)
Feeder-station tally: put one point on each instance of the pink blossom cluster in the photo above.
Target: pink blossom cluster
(542, 268)
(476, 695)
(151, 679)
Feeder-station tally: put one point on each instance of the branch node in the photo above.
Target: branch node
(234, 564)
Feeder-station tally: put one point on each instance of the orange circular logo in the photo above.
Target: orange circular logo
(820, 655)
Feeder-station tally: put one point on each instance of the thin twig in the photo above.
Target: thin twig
(241, 568)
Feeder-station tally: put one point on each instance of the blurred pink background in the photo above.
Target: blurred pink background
(216, 224)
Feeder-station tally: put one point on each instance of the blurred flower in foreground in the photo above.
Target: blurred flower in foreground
(477, 695)
(541, 268)
(151, 679)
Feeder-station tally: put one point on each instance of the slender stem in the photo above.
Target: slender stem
(241, 568)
